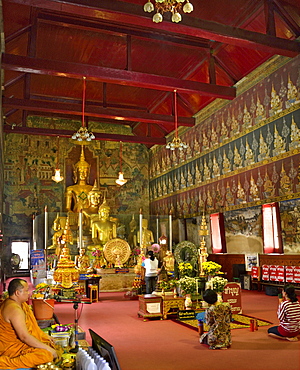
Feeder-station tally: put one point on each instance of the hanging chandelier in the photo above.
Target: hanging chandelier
(176, 143)
(120, 180)
(83, 134)
(163, 6)
(57, 177)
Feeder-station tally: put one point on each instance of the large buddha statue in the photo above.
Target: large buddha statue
(77, 195)
(91, 212)
(102, 228)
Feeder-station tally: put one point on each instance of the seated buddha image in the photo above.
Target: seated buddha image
(103, 229)
(91, 212)
(77, 194)
(82, 261)
(57, 227)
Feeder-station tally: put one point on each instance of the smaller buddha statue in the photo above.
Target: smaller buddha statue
(169, 263)
(103, 229)
(147, 236)
(57, 227)
(82, 261)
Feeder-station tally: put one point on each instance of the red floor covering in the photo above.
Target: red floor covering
(164, 345)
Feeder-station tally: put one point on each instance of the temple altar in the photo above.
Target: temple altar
(112, 282)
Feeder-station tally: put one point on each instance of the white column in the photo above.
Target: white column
(170, 231)
(46, 226)
(80, 229)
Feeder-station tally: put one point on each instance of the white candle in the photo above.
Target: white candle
(46, 226)
(33, 233)
(170, 231)
(80, 229)
(197, 286)
(141, 229)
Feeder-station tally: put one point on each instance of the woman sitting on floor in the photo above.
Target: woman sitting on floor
(289, 316)
(218, 317)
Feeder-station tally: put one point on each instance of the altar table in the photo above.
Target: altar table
(170, 302)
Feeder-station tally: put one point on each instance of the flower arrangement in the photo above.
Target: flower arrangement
(218, 283)
(211, 268)
(96, 253)
(185, 269)
(187, 284)
(41, 291)
(168, 284)
(51, 258)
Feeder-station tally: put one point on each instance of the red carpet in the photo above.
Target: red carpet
(163, 345)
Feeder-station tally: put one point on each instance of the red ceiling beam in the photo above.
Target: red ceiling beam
(133, 14)
(75, 70)
(98, 136)
(94, 111)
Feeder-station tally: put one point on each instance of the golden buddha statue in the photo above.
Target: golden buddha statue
(57, 227)
(147, 236)
(103, 229)
(82, 261)
(77, 195)
(169, 263)
(91, 212)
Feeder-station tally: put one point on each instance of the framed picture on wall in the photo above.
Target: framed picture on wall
(251, 260)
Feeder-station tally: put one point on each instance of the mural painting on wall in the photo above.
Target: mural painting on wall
(29, 167)
(290, 225)
(233, 170)
(244, 222)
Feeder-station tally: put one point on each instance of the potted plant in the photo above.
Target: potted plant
(211, 268)
(42, 305)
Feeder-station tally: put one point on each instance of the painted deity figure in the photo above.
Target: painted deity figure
(276, 104)
(293, 96)
(285, 183)
(103, 229)
(254, 195)
(77, 195)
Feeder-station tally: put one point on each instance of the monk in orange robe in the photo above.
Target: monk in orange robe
(22, 343)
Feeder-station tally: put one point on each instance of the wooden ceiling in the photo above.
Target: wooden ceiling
(132, 64)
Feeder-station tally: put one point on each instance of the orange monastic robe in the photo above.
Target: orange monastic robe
(14, 353)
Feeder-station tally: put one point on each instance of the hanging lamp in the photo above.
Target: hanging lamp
(120, 180)
(83, 134)
(176, 143)
(57, 177)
